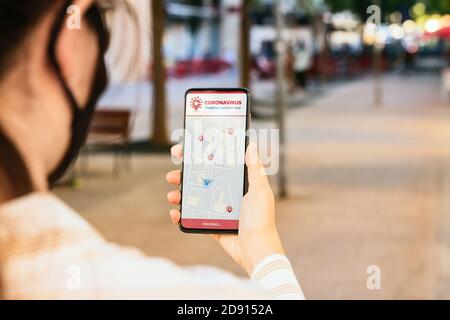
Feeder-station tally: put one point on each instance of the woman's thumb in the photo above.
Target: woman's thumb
(256, 172)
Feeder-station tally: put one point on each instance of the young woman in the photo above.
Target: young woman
(50, 79)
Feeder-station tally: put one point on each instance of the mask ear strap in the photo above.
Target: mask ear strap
(81, 117)
(54, 35)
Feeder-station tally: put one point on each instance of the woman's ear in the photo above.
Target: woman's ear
(75, 13)
(84, 5)
(77, 51)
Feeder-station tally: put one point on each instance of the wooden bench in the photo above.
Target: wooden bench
(109, 131)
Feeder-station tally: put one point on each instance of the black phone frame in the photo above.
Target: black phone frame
(245, 189)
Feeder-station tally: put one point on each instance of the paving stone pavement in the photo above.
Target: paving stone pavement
(367, 186)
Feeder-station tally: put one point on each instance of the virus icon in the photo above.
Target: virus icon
(196, 103)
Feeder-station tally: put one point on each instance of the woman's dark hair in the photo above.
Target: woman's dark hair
(18, 172)
(17, 18)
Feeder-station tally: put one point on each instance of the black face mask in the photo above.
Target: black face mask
(81, 116)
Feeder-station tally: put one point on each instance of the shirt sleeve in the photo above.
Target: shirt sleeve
(131, 274)
(113, 272)
(275, 274)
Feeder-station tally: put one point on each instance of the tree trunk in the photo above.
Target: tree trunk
(280, 93)
(378, 73)
(321, 38)
(377, 66)
(244, 47)
(158, 74)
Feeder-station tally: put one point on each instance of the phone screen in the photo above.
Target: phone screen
(213, 178)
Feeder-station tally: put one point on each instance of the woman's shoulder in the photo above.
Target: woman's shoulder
(39, 221)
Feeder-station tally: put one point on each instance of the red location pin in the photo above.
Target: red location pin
(230, 131)
(211, 157)
(230, 209)
(201, 138)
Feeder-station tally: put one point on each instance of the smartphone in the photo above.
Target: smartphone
(214, 175)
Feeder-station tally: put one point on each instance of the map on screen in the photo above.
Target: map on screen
(214, 157)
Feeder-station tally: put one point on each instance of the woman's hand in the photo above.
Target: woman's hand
(258, 236)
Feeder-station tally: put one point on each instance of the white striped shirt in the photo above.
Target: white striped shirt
(47, 251)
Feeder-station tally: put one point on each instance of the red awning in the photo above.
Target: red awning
(443, 33)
